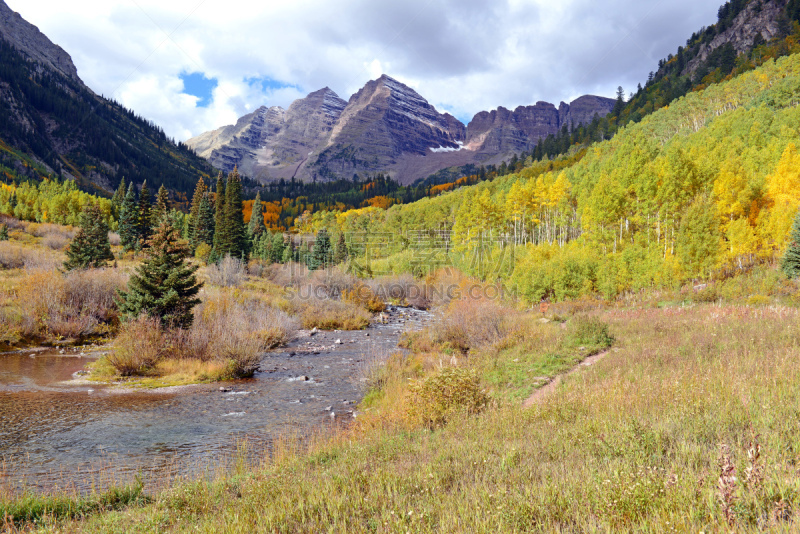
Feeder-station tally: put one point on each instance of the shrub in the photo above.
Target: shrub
(451, 391)
(229, 272)
(362, 295)
(11, 256)
(138, 347)
(288, 274)
(329, 314)
(236, 332)
(55, 241)
(588, 332)
(202, 252)
(470, 323)
(77, 304)
(114, 239)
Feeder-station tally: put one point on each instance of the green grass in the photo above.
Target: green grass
(632, 443)
(32, 509)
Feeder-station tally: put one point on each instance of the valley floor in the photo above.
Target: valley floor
(688, 423)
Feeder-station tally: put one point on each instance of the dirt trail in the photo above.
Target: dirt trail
(546, 390)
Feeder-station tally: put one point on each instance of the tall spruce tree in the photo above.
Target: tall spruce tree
(119, 196)
(278, 248)
(791, 259)
(237, 244)
(199, 192)
(204, 228)
(129, 220)
(161, 207)
(144, 223)
(164, 285)
(90, 247)
(220, 229)
(3, 232)
(289, 253)
(256, 226)
(322, 254)
(340, 251)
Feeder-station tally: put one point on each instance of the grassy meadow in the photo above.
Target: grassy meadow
(687, 422)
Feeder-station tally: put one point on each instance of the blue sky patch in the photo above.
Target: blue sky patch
(267, 84)
(196, 84)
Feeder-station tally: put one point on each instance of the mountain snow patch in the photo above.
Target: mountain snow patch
(448, 149)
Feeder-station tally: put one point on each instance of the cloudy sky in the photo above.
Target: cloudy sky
(195, 65)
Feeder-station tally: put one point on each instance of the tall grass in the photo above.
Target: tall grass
(689, 424)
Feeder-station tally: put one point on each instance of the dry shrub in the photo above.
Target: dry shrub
(47, 229)
(55, 241)
(237, 331)
(114, 239)
(329, 314)
(229, 272)
(402, 290)
(77, 304)
(333, 282)
(363, 296)
(470, 323)
(258, 267)
(447, 393)
(12, 222)
(288, 274)
(445, 285)
(12, 256)
(232, 334)
(138, 347)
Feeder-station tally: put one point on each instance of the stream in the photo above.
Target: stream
(59, 433)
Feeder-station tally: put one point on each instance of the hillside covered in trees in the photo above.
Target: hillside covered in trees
(701, 188)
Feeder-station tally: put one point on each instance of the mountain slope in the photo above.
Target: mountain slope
(48, 113)
(386, 127)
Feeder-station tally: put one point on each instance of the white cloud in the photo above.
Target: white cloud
(462, 55)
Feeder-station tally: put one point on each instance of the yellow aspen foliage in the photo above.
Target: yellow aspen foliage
(782, 198)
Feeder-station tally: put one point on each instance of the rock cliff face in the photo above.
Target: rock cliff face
(27, 39)
(760, 17)
(385, 127)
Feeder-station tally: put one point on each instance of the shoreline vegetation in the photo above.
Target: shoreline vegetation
(687, 423)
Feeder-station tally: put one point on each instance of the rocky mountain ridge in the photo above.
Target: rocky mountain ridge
(759, 18)
(35, 45)
(48, 114)
(384, 127)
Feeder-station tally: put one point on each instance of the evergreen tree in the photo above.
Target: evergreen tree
(322, 253)
(119, 196)
(204, 228)
(164, 285)
(256, 225)
(791, 259)
(90, 247)
(128, 220)
(288, 252)
(278, 249)
(161, 208)
(220, 230)
(236, 243)
(199, 193)
(262, 246)
(144, 227)
(3, 232)
(340, 251)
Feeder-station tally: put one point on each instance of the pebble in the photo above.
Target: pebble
(338, 341)
(224, 389)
